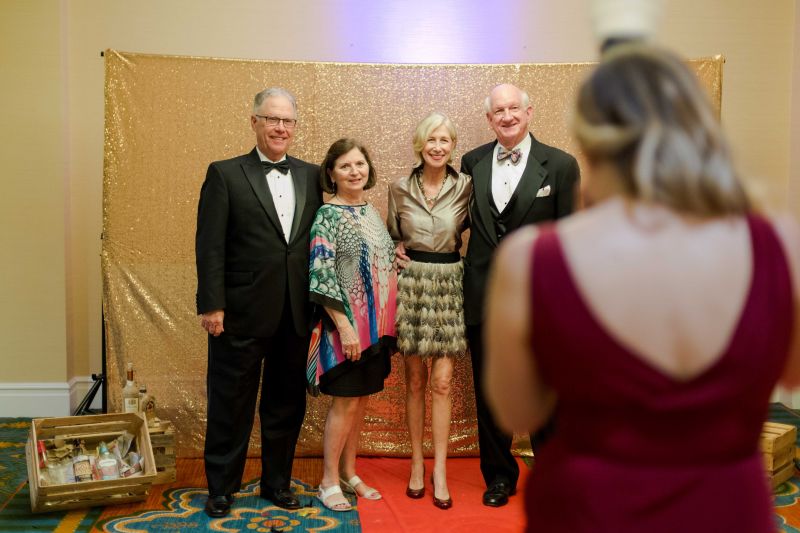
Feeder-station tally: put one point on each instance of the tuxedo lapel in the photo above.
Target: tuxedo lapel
(255, 175)
(300, 180)
(482, 185)
(532, 178)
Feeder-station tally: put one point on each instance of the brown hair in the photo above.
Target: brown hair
(644, 111)
(337, 150)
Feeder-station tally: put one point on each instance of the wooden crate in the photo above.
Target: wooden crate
(774, 461)
(781, 475)
(92, 429)
(777, 444)
(162, 437)
(776, 436)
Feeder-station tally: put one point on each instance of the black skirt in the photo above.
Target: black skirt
(361, 378)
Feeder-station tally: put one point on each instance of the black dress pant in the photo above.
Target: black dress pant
(497, 462)
(234, 372)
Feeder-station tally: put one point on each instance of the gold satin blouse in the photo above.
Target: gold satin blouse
(438, 229)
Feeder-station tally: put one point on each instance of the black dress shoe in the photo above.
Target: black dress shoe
(415, 493)
(442, 504)
(281, 497)
(437, 502)
(218, 506)
(497, 494)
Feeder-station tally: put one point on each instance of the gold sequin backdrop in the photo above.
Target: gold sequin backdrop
(167, 117)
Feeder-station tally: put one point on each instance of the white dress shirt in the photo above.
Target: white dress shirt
(281, 187)
(506, 175)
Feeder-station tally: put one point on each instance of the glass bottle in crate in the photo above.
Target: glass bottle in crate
(107, 463)
(130, 393)
(81, 464)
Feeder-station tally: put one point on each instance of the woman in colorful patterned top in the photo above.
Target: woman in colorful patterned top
(352, 275)
(427, 214)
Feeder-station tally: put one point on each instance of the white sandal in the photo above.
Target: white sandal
(325, 494)
(350, 488)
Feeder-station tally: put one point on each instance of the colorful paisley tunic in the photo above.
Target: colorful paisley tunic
(352, 270)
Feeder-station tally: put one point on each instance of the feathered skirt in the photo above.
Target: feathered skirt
(430, 306)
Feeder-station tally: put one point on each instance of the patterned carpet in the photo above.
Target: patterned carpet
(179, 507)
(787, 509)
(15, 504)
(183, 511)
(12, 457)
(169, 508)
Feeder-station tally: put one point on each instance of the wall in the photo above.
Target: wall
(757, 44)
(794, 164)
(793, 193)
(33, 216)
(52, 106)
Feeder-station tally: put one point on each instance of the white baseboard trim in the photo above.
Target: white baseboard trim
(788, 398)
(46, 399)
(78, 387)
(34, 399)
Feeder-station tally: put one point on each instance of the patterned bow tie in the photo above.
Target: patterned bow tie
(282, 167)
(514, 154)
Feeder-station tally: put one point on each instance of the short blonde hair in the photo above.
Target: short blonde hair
(424, 130)
(644, 111)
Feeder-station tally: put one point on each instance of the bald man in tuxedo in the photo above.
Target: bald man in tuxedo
(517, 180)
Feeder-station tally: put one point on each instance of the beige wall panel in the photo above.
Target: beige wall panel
(756, 39)
(794, 168)
(32, 214)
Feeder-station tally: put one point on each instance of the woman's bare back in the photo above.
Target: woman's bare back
(669, 289)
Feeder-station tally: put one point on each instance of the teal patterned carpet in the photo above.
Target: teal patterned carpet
(181, 509)
(15, 503)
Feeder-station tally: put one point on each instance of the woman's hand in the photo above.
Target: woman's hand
(350, 344)
(402, 259)
(351, 347)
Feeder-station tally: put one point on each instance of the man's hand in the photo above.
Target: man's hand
(402, 258)
(212, 322)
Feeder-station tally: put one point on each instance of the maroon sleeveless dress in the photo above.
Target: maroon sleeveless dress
(635, 450)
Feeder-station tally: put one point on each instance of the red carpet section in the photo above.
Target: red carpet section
(397, 512)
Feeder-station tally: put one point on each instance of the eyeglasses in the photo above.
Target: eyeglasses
(288, 123)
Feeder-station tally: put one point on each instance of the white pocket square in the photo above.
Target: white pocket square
(544, 191)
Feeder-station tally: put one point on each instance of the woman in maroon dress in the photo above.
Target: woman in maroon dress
(653, 325)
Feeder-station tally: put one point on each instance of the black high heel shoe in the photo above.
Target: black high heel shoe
(417, 493)
(441, 504)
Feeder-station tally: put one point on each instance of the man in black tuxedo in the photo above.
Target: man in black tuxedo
(516, 181)
(253, 223)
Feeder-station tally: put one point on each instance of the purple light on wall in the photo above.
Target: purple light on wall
(427, 31)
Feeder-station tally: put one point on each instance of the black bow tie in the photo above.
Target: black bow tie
(282, 166)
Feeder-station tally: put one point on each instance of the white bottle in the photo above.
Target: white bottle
(130, 394)
(107, 463)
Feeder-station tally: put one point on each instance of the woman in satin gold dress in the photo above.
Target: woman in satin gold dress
(427, 214)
